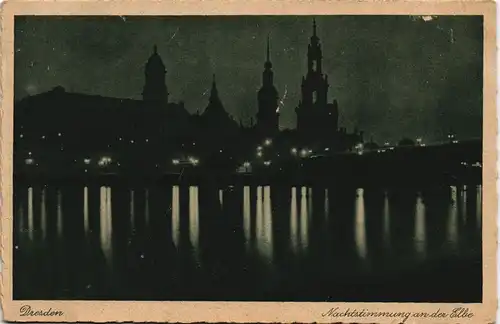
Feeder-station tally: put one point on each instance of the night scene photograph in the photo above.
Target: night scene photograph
(248, 158)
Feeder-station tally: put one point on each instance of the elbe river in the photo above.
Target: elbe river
(248, 243)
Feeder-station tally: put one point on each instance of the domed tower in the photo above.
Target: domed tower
(155, 88)
(268, 113)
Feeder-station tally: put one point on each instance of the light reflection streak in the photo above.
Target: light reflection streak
(106, 222)
(86, 209)
(453, 219)
(246, 213)
(304, 219)
(194, 226)
(420, 230)
(294, 235)
(268, 224)
(309, 203)
(479, 205)
(43, 214)
(327, 204)
(175, 216)
(463, 206)
(360, 225)
(387, 221)
(30, 213)
(59, 213)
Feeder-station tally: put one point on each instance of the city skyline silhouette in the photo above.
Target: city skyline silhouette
(246, 158)
(431, 117)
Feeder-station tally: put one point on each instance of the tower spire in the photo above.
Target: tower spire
(268, 56)
(155, 49)
(213, 94)
(314, 27)
(268, 65)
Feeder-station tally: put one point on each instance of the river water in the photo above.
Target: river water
(241, 243)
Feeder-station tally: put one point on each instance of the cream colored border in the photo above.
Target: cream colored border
(250, 311)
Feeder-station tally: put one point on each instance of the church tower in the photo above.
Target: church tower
(316, 118)
(155, 89)
(268, 113)
(215, 115)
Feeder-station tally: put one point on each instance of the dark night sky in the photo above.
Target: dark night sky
(393, 76)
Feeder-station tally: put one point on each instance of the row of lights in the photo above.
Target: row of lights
(474, 165)
(42, 137)
(192, 160)
(302, 152)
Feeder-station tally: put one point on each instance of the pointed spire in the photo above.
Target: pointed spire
(268, 65)
(314, 27)
(213, 94)
(268, 56)
(155, 49)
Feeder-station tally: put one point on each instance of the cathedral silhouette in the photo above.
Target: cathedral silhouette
(148, 132)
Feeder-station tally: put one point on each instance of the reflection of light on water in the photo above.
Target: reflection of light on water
(43, 213)
(221, 196)
(327, 204)
(387, 221)
(264, 222)
(267, 246)
(359, 224)
(175, 215)
(259, 213)
(304, 219)
(194, 226)
(453, 219)
(132, 209)
(86, 209)
(420, 234)
(59, 213)
(105, 221)
(146, 206)
(246, 213)
(309, 203)
(463, 205)
(294, 236)
(479, 205)
(30, 213)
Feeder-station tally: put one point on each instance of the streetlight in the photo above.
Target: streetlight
(359, 148)
(194, 161)
(104, 161)
(268, 142)
(293, 151)
(175, 161)
(259, 154)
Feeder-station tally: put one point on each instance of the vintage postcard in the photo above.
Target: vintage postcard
(248, 161)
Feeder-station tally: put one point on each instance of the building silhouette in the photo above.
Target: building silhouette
(155, 89)
(267, 97)
(215, 116)
(148, 133)
(317, 119)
